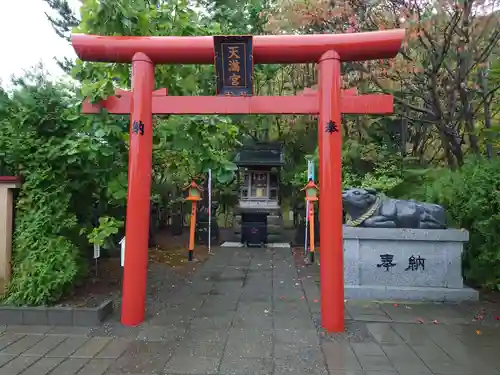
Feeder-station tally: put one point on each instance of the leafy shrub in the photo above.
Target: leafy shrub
(103, 234)
(471, 196)
(370, 165)
(45, 262)
(67, 162)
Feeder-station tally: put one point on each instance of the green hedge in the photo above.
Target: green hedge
(471, 196)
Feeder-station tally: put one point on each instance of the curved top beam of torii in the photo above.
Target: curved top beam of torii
(267, 49)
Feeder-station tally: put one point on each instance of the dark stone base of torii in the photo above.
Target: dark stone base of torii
(327, 50)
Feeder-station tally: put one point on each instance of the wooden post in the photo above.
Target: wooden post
(311, 196)
(7, 184)
(311, 232)
(192, 229)
(194, 195)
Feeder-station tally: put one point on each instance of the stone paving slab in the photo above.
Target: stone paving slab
(43, 366)
(69, 366)
(91, 347)
(44, 346)
(257, 311)
(17, 365)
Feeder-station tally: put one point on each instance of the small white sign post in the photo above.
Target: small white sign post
(97, 255)
(97, 251)
(122, 257)
(310, 176)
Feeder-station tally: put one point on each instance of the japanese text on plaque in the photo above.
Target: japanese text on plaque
(234, 65)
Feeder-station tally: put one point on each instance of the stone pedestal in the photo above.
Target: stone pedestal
(405, 264)
(275, 227)
(273, 222)
(7, 185)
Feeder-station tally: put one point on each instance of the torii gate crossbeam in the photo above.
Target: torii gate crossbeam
(328, 102)
(209, 105)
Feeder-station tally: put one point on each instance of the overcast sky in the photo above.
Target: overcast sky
(27, 37)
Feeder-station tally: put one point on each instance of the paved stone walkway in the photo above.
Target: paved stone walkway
(252, 311)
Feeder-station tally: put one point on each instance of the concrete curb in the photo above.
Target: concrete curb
(55, 316)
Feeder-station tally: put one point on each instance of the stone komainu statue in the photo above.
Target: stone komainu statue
(366, 208)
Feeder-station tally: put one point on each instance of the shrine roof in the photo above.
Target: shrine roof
(260, 154)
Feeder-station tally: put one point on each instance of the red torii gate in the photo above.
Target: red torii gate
(327, 102)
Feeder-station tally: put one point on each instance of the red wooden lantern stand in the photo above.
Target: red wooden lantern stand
(327, 50)
(194, 195)
(311, 191)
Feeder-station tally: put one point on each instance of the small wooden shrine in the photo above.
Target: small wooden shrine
(258, 217)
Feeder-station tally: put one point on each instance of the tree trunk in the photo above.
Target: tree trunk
(464, 65)
(483, 82)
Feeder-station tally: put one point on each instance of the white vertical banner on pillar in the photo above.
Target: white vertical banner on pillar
(122, 256)
(97, 251)
(209, 210)
(310, 170)
(310, 176)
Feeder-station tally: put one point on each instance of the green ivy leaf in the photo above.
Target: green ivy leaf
(100, 133)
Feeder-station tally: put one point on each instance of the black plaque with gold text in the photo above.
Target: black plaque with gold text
(234, 65)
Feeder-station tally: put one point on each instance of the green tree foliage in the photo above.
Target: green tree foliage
(472, 198)
(189, 145)
(67, 162)
(446, 87)
(236, 16)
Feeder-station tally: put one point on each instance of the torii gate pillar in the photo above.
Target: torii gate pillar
(330, 178)
(139, 189)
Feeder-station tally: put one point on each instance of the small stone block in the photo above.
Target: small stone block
(104, 309)
(35, 316)
(60, 316)
(10, 315)
(85, 317)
